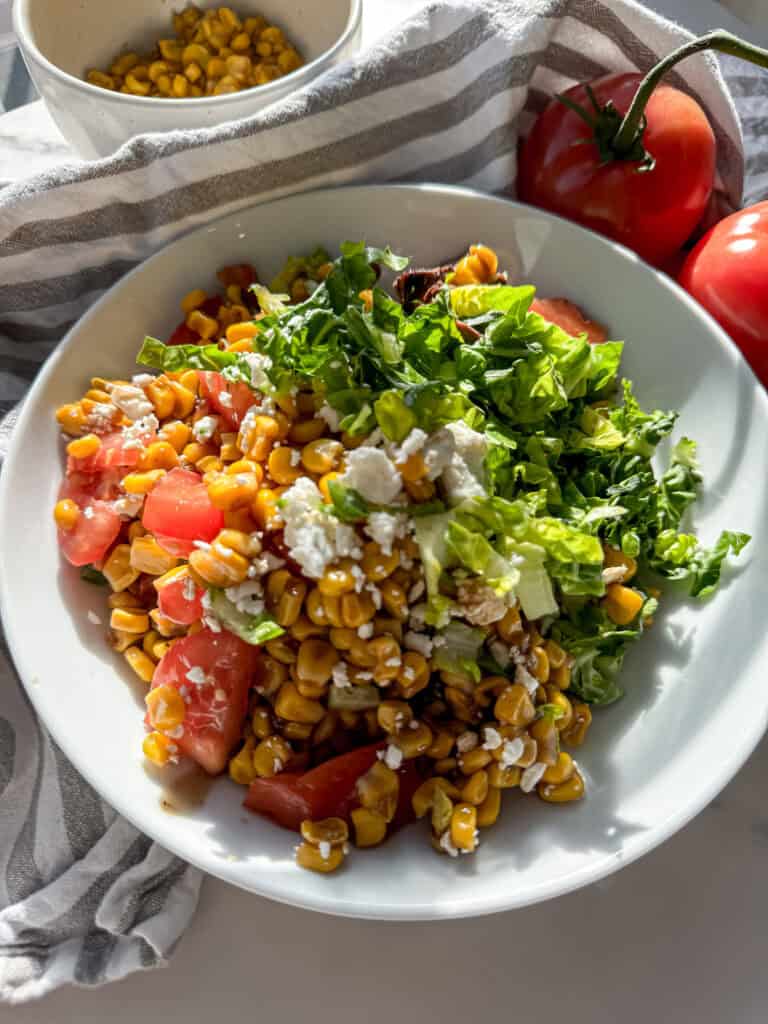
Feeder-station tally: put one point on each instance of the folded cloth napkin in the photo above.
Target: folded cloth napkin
(84, 897)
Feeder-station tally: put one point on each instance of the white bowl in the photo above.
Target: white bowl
(696, 699)
(61, 40)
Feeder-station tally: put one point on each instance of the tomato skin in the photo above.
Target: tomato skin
(652, 212)
(569, 318)
(178, 512)
(212, 725)
(327, 791)
(174, 604)
(93, 534)
(241, 398)
(727, 272)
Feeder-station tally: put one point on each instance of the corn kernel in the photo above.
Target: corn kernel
(66, 514)
(143, 666)
(158, 748)
(165, 708)
(129, 621)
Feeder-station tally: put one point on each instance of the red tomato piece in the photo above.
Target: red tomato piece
(181, 600)
(178, 512)
(115, 452)
(230, 400)
(727, 272)
(216, 707)
(330, 790)
(570, 318)
(653, 211)
(93, 534)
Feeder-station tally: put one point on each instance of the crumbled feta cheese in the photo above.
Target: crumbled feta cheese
(375, 438)
(500, 653)
(492, 738)
(467, 741)
(277, 765)
(225, 399)
(295, 456)
(375, 593)
(524, 678)
(480, 603)
(94, 618)
(313, 535)
(134, 433)
(532, 776)
(325, 849)
(394, 662)
(418, 642)
(438, 452)
(359, 577)
(131, 400)
(129, 506)
(142, 379)
(188, 589)
(205, 428)
(365, 632)
(331, 417)
(371, 472)
(416, 590)
(101, 417)
(413, 443)
(393, 757)
(614, 573)
(209, 619)
(247, 597)
(258, 364)
(511, 752)
(197, 676)
(446, 844)
(340, 675)
(88, 512)
(176, 733)
(384, 528)
(418, 616)
(363, 677)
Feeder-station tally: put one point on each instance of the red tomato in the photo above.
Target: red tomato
(99, 524)
(112, 454)
(569, 318)
(327, 791)
(175, 602)
(651, 211)
(178, 512)
(237, 401)
(728, 273)
(217, 707)
(183, 335)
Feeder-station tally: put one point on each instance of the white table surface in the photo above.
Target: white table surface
(679, 937)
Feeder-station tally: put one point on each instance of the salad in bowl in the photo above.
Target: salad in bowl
(378, 555)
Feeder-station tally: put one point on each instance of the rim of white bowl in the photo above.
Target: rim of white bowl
(301, 76)
(700, 793)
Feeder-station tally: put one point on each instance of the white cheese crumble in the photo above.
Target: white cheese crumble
(614, 573)
(197, 676)
(438, 452)
(131, 400)
(524, 677)
(315, 537)
(416, 591)
(419, 642)
(511, 752)
(492, 738)
(94, 618)
(142, 379)
(413, 443)
(385, 528)
(205, 428)
(134, 433)
(88, 512)
(329, 414)
(340, 675)
(209, 619)
(225, 399)
(372, 473)
(532, 776)
(365, 632)
(500, 653)
(101, 417)
(467, 741)
(295, 456)
(258, 364)
(446, 844)
(325, 849)
(393, 757)
(247, 597)
(129, 506)
(188, 589)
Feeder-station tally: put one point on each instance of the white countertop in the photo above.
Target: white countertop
(678, 937)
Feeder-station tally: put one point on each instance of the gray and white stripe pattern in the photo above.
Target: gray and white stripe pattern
(86, 897)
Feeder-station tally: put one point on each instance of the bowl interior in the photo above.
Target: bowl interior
(696, 701)
(91, 33)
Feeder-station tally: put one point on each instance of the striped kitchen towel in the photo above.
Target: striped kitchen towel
(84, 897)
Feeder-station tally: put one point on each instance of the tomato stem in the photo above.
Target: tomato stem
(632, 126)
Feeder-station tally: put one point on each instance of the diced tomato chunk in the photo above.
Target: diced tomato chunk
(181, 600)
(178, 512)
(92, 535)
(330, 790)
(115, 452)
(570, 318)
(215, 707)
(230, 400)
